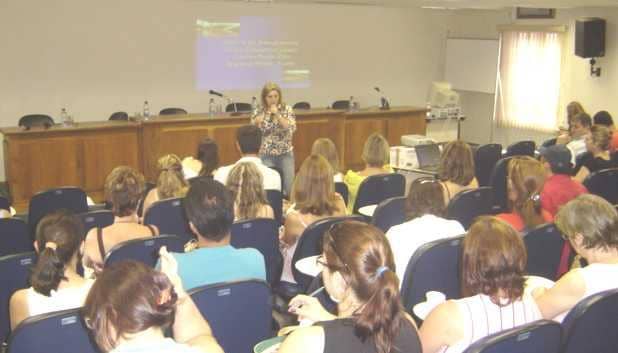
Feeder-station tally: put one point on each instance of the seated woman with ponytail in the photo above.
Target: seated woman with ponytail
(55, 282)
(492, 283)
(359, 274)
(170, 183)
(525, 180)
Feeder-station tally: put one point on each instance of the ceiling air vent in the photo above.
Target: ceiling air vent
(522, 13)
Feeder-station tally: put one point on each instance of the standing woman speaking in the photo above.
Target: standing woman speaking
(278, 123)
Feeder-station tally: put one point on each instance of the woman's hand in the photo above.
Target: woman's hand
(169, 267)
(307, 307)
(273, 109)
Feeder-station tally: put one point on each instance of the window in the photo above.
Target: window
(528, 87)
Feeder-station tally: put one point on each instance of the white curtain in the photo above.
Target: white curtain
(529, 80)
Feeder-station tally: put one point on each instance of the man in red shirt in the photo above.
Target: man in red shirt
(559, 187)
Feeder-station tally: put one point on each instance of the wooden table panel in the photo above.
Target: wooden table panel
(84, 154)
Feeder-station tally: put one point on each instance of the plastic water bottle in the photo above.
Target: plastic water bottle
(428, 113)
(146, 111)
(352, 103)
(212, 108)
(64, 117)
(254, 104)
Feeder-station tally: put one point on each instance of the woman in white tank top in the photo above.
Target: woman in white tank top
(493, 268)
(55, 283)
(590, 224)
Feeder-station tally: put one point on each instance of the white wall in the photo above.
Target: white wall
(96, 59)
(595, 93)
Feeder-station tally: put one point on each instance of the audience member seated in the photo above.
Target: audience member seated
(376, 155)
(325, 147)
(573, 108)
(248, 142)
(170, 183)
(599, 155)
(580, 127)
(55, 283)
(210, 210)
(492, 278)
(559, 188)
(525, 180)
(605, 119)
(206, 161)
(313, 198)
(246, 184)
(358, 273)
(424, 211)
(590, 224)
(123, 189)
(131, 306)
(457, 169)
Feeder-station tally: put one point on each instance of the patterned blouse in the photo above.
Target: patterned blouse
(276, 140)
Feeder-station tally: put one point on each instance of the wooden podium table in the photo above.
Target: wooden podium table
(83, 155)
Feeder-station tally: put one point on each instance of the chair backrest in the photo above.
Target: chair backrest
(302, 105)
(14, 237)
(377, 188)
(239, 313)
(121, 116)
(342, 189)
(172, 111)
(485, 158)
(604, 183)
(96, 219)
(591, 325)
(5, 204)
(541, 336)
(310, 244)
(238, 107)
(44, 202)
(31, 120)
(169, 217)
(549, 142)
(61, 331)
(145, 250)
(544, 247)
(434, 266)
(498, 185)
(521, 148)
(389, 212)
(469, 204)
(261, 234)
(341, 104)
(14, 275)
(275, 199)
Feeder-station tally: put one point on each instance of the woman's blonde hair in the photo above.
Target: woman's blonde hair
(457, 163)
(269, 87)
(376, 152)
(573, 109)
(600, 137)
(246, 183)
(171, 181)
(325, 147)
(314, 190)
(527, 177)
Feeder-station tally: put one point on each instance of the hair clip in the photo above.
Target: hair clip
(51, 245)
(381, 270)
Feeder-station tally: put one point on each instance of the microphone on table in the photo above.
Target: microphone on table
(384, 104)
(215, 93)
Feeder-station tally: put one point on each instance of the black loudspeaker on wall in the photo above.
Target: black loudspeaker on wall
(590, 37)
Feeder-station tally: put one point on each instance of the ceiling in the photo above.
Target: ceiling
(464, 4)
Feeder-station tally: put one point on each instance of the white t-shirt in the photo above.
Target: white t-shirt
(272, 180)
(407, 237)
(62, 299)
(577, 147)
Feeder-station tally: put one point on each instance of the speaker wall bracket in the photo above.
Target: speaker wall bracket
(594, 71)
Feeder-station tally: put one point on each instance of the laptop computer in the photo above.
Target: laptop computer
(428, 157)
